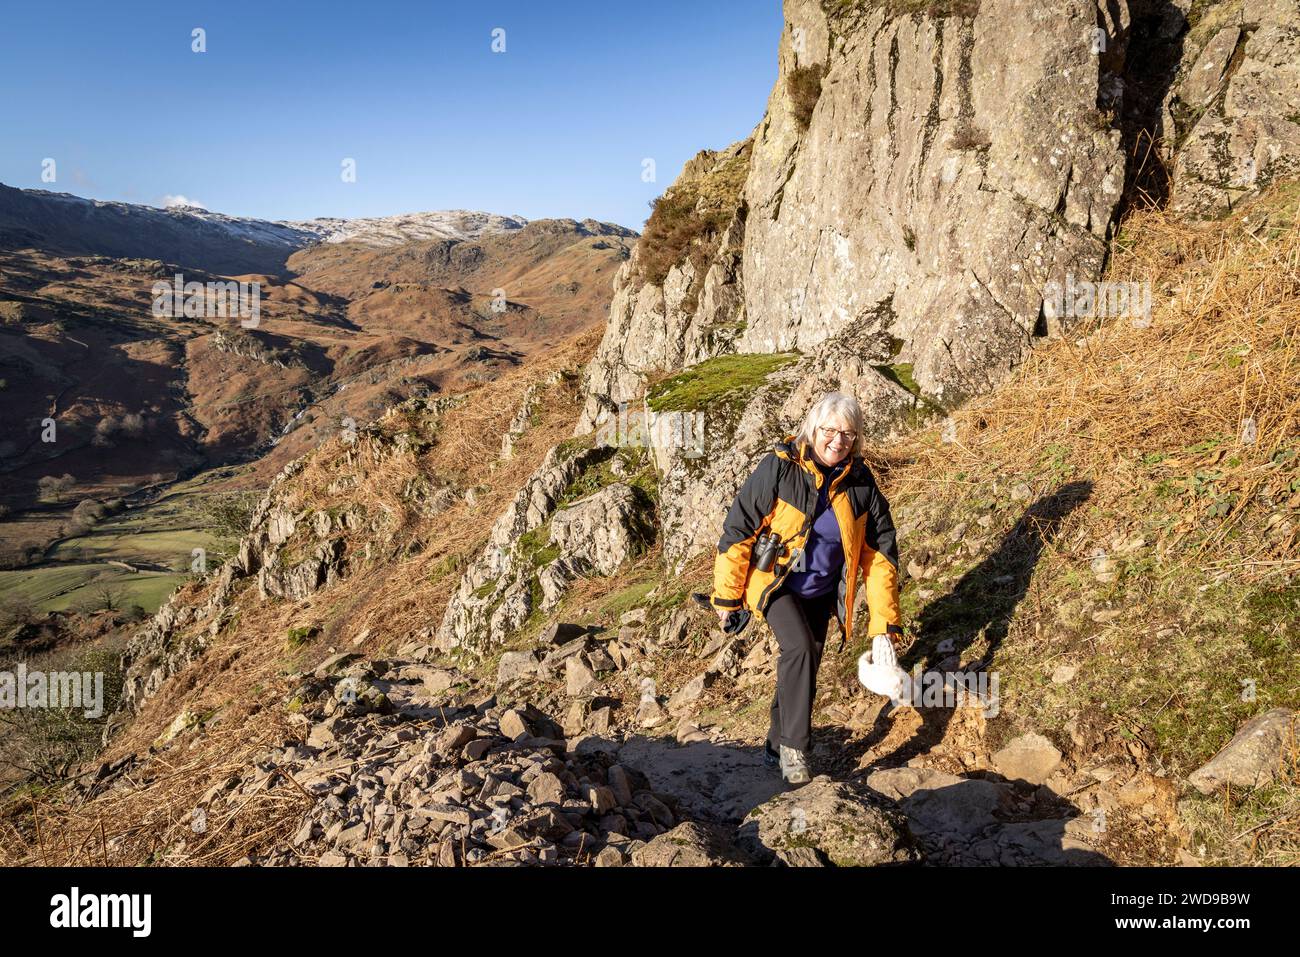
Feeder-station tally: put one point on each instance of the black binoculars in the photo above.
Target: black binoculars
(767, 549)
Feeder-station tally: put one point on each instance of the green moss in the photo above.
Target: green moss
(297, 637)
(569, 448)
(900, 373)
(647, 480)
(636, 468)
(448, 565)
(729, 379)
(536, 596)
(535, 548)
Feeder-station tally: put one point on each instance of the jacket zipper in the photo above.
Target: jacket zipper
(803, 534)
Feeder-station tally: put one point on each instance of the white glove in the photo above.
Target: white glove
(882, 652)
(879, 673)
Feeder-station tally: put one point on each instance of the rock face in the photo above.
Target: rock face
(295, 583)
(1252, 757)
(950, 168)
(604, 530)
(827, 822)
(493, 593)
(694, 312)
(1235, 108)
(925, 127)
(506, 584)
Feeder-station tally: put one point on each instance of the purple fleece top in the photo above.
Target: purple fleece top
(824, 557)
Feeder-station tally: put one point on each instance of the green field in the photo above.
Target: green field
(170, 548)
(164, 533)
(64, 586)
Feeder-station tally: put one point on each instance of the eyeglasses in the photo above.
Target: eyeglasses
(828, 434)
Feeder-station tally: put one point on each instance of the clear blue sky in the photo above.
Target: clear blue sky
(558, 125)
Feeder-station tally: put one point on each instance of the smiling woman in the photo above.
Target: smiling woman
(803, 525)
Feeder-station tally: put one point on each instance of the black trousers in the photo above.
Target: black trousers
(800, 628)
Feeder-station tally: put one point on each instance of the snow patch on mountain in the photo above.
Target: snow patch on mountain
(456, 224)
(378, 231)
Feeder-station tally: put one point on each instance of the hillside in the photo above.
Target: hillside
(1129, 662)
(462, 634)
(111, 408)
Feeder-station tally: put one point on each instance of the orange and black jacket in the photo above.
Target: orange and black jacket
(781, 496)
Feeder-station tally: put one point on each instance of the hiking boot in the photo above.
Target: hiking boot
(794, 766)
(771, 758)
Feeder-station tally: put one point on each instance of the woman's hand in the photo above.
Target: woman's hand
(723, 615)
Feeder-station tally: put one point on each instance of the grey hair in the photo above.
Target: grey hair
(833, 405)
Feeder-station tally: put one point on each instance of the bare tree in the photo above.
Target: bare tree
(53, 488)
(44, 744)
(132, 425)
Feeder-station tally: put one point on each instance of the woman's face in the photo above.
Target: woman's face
(833, 440)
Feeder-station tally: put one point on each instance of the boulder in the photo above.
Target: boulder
(690, 845)
(941, 805)
(578, 678)
(513, 725)
(517, 664)
(1253, 755)
(1030, 757)
(843, 824)
(561, 633)
(605, 529)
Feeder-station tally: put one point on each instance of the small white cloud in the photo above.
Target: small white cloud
(169, 201)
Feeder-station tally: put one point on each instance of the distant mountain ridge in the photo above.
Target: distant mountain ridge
(215, 242)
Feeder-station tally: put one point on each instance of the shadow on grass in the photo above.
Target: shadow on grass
(983, 601)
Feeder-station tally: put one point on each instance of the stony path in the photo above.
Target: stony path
(716, 782)
(401, 769)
